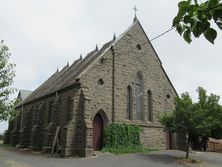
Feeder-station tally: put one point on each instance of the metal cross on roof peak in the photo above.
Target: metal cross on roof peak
(135, 17)
(135, 9)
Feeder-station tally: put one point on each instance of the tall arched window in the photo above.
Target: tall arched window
(129, 114)
(50, 112)
(150, 105)
(34, 112)
(69, 110)
(139, 96)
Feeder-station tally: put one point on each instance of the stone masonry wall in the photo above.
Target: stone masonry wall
(15, 132)
(41, 119)
(129, 60)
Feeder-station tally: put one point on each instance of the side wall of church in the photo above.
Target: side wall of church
(39, 121)
(14, 137)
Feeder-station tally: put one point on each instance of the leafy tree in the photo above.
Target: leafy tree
(212, 114)
(12, 112)
(195, 119)
(195, 19)
(181, 119)
(6, 79)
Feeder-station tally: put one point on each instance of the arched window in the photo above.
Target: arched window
(129, 114)
(34, 113)
(69, 111)
(50, 112)
(139, 96)
(150, 105)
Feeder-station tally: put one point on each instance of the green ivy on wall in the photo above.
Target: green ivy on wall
(122, 138)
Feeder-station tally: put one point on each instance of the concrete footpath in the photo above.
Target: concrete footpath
(168, 158)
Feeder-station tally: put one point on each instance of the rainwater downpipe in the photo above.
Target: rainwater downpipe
(113, 84)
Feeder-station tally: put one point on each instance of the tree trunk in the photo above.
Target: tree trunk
(188, 146)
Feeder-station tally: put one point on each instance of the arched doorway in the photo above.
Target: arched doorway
(98, 132)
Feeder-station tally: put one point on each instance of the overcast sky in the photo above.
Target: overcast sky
(45, 34)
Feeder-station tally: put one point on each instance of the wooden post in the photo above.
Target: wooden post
(55, 141)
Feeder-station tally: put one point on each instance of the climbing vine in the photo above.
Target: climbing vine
(122, 138)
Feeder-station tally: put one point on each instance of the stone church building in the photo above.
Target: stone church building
(124, 81)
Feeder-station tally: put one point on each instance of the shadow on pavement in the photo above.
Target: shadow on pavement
(161, 158)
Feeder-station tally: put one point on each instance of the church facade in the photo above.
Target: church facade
(124, 81)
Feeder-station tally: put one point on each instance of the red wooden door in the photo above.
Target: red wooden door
(97, 132)
(168, 140)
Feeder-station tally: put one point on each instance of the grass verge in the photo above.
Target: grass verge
(6, 146)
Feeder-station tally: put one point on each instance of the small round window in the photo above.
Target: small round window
(100, 81)
(168, 96)
(138, 46)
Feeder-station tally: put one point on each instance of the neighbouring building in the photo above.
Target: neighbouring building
(124, 81)
(23, 94)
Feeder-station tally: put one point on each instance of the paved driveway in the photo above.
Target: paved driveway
(13, 158)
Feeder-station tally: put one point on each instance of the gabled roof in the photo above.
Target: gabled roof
(67, 76)
(23, 94)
